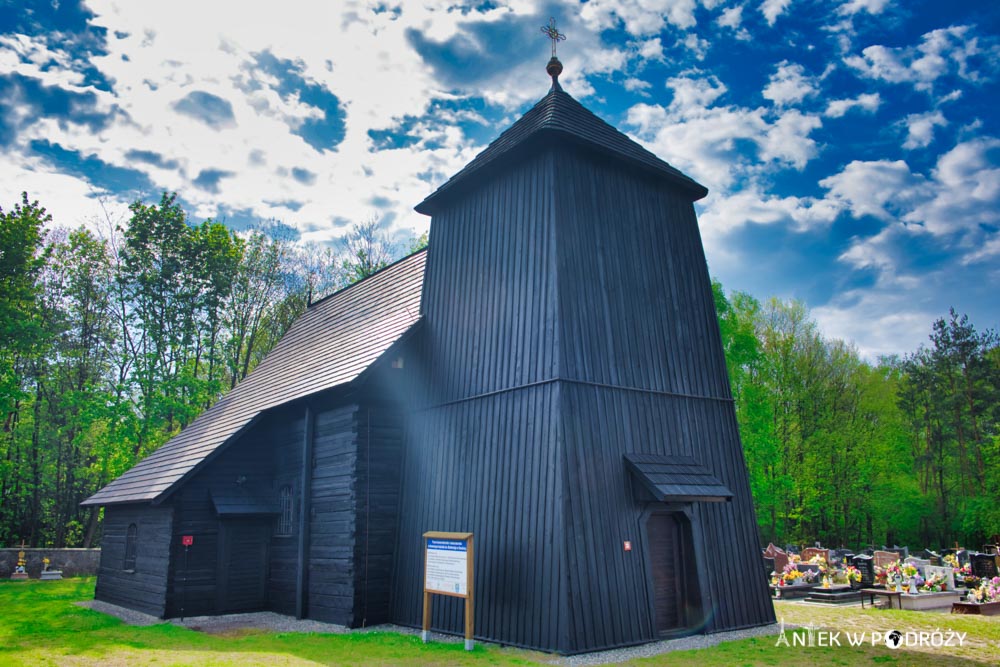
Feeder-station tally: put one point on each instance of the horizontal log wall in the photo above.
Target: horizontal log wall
(145, 587)
(333, 530)
(194, 578)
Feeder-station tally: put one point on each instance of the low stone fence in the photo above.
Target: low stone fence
(72, 562)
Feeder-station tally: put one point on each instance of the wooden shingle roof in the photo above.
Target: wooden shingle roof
(677, 478)
(331, 344)
(558, 114)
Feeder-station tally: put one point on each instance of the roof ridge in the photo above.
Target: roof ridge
(561, 112)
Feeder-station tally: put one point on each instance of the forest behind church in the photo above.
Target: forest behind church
(113, 340)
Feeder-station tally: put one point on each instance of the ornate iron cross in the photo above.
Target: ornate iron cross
(553, 34)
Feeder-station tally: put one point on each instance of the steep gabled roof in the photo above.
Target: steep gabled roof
(558, 113)
(332, 343)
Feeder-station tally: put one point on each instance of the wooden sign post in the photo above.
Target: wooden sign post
(448, 571)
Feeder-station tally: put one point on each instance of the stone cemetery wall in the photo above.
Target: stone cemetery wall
(72, 562)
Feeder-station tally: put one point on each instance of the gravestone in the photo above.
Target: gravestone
(19, 571)
(865, 565)
(946, 572)
(984, 566)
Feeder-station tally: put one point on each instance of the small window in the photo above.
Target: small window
(285, 511)
(131, 536)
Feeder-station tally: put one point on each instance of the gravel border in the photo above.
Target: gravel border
(272, 622)
(665, 646)
(130, 616)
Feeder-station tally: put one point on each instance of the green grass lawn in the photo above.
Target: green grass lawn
(40, 625)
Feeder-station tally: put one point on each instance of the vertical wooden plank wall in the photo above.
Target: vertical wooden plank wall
(643, 371)
(483, 456)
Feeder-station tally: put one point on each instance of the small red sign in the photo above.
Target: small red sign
(628, 545)
(187, 540)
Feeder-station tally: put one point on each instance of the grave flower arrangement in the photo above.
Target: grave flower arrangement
(791, 575)
(988, 591)
(934, 584)
(952, 561)
(852, 574)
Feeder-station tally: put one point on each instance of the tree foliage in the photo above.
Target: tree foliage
(114, 342)
(850, 453)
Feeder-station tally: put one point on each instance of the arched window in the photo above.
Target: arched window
(285, 511)
(130, 547)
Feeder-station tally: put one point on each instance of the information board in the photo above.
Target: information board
(448, 571)
(447, 567)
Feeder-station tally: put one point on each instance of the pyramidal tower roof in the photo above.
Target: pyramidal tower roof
(559, 116)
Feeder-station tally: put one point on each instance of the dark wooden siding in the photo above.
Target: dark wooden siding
(332, 521)
(285, 432)
(490, 466)
(484, 457)
(641, 352)
(380, 453)
(252, 457)
(569, 320)
(489, 289)
(145, 588)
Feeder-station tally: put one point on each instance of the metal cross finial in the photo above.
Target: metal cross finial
(553, 34)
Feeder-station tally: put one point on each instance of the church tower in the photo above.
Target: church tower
(578, 417)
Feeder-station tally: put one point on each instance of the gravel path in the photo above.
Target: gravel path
(268, 621)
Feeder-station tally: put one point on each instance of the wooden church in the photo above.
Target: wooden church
(547, 375)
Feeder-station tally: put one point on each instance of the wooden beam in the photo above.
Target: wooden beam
(305, 491)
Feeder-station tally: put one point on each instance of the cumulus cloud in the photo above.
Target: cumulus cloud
(920, 128)
(640, 17)
(852, 7)
(869, 102)
(957, 204)
(940, 52)
(789, 84)
(710, 140)
(772, 9)
(731, 17)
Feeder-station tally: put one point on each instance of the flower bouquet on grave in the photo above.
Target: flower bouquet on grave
(951, 560)
(852, 575)
(881, 576)
(988, 591)
(894, 576)
(934, 584)
(791, 575)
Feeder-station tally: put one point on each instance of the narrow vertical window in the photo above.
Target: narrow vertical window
(130, 546)
(285, 511)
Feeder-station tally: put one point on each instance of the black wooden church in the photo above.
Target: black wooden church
(547, 375)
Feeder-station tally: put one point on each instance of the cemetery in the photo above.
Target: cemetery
(955, 579)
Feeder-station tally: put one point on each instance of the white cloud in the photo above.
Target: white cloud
(957, 205)
(710, 142)
(852, 7)
(789, 84)
(880, 321)
(635, 85)
(940, 52)
(772, 9)
(697, 45)
(650, 49)
(731, 17)
(920, 128)
(877, 188)
(869, 102)
(640, 17)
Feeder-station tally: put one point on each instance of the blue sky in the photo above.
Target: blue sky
(851, 147)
